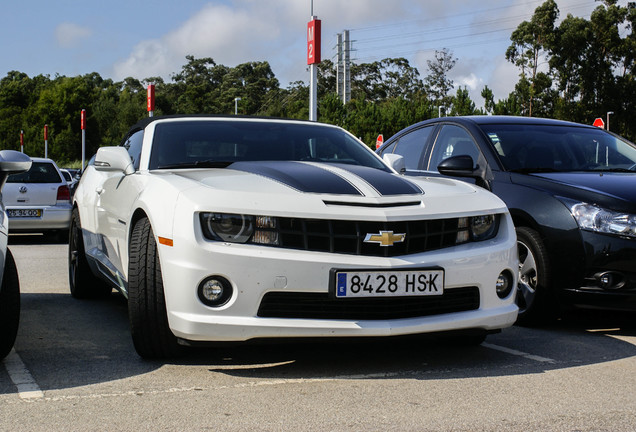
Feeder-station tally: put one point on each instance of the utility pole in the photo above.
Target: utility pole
(343, 67)
(347, 66)
(340, 68)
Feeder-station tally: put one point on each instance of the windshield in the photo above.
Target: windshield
(546, 148)
(191, 144)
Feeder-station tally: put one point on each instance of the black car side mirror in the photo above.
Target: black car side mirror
(463, 166)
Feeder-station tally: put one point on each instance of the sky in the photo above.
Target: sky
(141, 38)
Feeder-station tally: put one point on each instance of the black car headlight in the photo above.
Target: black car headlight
(236, 228)
(594, 218)
(477, 228)
(483, 227)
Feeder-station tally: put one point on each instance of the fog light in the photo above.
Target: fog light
(503, 286)
(610, 280)
(215, 291)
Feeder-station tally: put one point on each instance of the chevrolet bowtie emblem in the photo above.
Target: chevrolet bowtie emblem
(385, 238)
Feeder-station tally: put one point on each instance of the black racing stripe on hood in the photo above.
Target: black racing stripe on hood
(386, 183)
(300, 176)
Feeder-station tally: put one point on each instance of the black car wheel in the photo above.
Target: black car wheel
(82, 281)
(9, 305)
(534, 298)
(146, 301)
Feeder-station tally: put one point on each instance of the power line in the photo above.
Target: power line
(418, 38)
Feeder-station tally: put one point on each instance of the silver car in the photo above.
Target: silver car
(38, 200)
(10, 162)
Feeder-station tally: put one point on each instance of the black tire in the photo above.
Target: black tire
(82, 282)
(535, 298)
(9, 305)
(146, 301)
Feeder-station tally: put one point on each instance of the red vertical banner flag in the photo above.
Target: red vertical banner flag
(313, 41)
(151, 97)
(83, 119)
(22, 141)
(46, 132)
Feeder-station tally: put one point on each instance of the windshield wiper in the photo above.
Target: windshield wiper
(620, 170)
(198, 164)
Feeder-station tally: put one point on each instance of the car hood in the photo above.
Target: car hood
(612, 190)
(320, 189)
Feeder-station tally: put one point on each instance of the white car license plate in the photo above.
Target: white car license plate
(389, 283)
(24, 213)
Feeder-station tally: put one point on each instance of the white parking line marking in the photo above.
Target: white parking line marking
(518, 353)
(21, 377)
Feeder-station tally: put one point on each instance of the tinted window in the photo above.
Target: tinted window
(560, 148)
(40, 172)
(412, 145)
(186, 143)
(133, 145)
(452, 141)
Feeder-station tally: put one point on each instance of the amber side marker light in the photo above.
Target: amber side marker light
(165, 241)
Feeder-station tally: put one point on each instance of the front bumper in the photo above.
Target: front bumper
(605, 255)
(56, 217)
(255, 271)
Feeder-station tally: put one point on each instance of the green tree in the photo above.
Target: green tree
(530, 42)
(437, 83)
(462, 103)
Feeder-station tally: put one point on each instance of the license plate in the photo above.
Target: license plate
(389, 283)
(24, 213)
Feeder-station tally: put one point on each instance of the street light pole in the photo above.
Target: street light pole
(236, 99)
(608, 114)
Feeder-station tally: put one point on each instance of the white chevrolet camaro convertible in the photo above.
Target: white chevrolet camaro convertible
(230, 228)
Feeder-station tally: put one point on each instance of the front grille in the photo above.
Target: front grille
(347, 237)
(324, 306)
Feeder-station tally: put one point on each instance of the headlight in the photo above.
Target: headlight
(594, 218)
(235, 228)
(477, 228)
(483, 227)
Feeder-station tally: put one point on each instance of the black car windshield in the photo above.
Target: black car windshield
(546, 148)
(40, 172)
(218, 143)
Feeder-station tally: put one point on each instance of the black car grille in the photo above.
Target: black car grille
(347, 237)
(324, 306)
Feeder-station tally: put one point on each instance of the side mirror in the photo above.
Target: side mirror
(113, 159)
(457, 166)
(12, 162)
(395, 161)
(464, 166)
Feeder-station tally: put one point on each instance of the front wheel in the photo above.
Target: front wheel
(147, 311)
(534, 297)
(9, 305)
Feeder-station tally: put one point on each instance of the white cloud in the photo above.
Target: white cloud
(229, 36)
(253, 30)
(471, 82)
(237, 31)
(69, 35)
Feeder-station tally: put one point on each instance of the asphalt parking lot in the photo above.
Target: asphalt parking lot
(74, 368)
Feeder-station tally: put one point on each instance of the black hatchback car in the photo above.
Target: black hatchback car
(570, 188)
